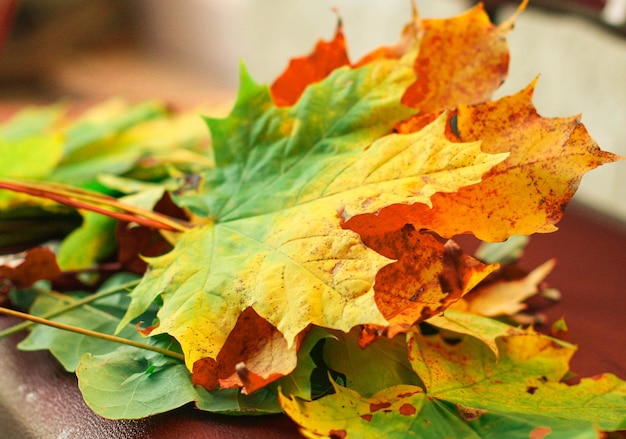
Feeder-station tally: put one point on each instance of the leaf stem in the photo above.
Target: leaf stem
(91, 333)
(91, 298)
(95, 202)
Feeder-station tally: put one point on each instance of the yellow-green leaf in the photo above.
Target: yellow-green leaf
(275, 206)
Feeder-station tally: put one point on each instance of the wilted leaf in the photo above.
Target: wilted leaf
(506, 297)
(254, 355)
(427, 277)
(38, 263)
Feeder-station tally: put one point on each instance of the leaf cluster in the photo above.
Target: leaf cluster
(303, 261)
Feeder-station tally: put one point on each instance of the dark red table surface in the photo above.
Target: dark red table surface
(39, 400)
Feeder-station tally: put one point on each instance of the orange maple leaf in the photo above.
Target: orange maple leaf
(304, 71)
(523, 195)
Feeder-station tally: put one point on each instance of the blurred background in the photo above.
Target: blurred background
(188, 53)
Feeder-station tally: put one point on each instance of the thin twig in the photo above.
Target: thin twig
(75, 304)
(90, 333)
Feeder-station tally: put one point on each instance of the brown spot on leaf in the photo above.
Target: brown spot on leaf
(204, 373)
(407, 394)
(531, 389)
(254, 354)
(368, 417)
(408, 409)
(337, 434)
(379, 406)
(468, 413)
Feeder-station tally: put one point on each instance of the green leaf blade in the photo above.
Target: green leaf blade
(269, 150)
(107, 380)
(101, 316)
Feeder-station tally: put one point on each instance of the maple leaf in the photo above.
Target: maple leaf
(462, 60)
(484, 329)
(266, 357)
(38, 263)
(467, 392)
(427, 277)
(304, 71)
(319, 221)
(287, 255)
(454, 52)
(506, 297)
(523, 195)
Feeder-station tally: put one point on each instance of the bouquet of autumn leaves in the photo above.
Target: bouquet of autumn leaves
(303, 261)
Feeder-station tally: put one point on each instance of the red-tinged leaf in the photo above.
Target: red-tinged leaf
(39, 263)
(134, 243)
(524, 194)
(304, 71)
(254, 355)
(137, 242)
(427, 277)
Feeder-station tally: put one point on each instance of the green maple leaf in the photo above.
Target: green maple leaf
(469, 393)
(285, 179)
(367, 377)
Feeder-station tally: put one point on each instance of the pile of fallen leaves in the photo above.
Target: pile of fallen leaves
(301, 260)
